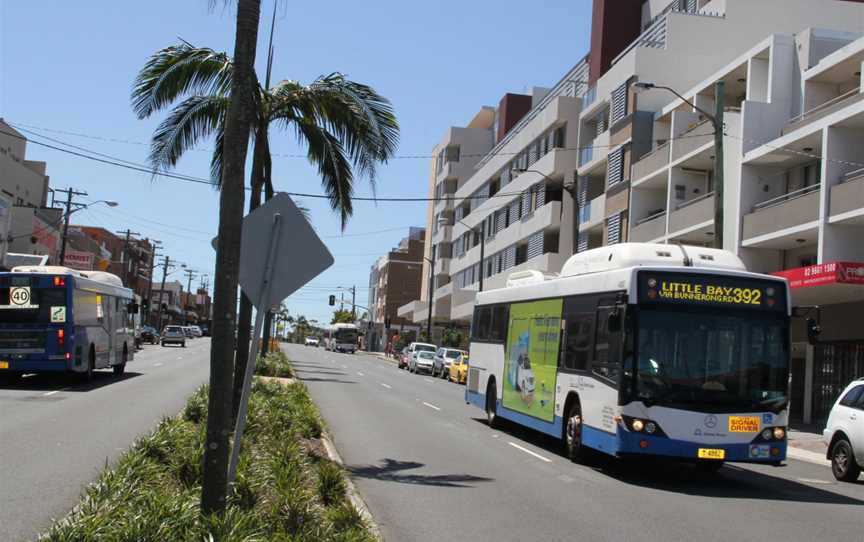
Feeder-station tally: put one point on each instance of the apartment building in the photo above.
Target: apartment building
(594, 161)
(394, 280)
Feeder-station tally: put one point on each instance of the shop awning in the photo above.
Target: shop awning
(826, 283)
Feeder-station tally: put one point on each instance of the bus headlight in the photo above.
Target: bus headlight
(650, 427)
(766, 434)
(779, 433)
(637, 425)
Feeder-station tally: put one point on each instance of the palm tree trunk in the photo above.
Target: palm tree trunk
(241, 114)
(244, 323)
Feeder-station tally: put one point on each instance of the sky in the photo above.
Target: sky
(66, 71)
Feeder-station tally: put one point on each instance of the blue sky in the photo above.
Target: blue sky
(68, 67)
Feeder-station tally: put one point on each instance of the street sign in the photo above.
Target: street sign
(280, 253)
(299, 254)
(20, 296)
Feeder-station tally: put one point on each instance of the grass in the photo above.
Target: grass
(285, 489)
(275, 363)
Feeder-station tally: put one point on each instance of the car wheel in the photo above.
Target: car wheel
(183, 344)
(573, 434)
(121, 368)
(843, 464)
(492, 406)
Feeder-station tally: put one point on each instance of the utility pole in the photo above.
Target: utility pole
(719, 109)
(123, 263)
(156, 246)
(429, 294)
(70, 193)
(165, 264)
(190, 274)
(482, 252)
(353, 301)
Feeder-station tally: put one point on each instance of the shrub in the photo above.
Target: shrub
(274, 364)
(331, 483)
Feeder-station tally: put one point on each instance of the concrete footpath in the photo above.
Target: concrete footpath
(804, 444)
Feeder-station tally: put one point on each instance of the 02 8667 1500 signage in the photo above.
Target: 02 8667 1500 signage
(707, 290)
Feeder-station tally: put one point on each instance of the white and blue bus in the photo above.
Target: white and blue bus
(342, 338)
(639, 349)
(55, 319)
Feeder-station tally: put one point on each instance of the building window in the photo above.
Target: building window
(618, 108)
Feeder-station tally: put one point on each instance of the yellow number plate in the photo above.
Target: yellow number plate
(4, 364)
(712, 453)
(743, 424)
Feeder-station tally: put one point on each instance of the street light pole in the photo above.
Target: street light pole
(70, 192)
(429, 292)
(190, 274)
(717, 122)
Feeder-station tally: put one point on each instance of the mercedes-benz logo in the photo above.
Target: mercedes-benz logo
(710, 421)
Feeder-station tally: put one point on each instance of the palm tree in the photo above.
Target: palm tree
(346, 127)
(238, 117)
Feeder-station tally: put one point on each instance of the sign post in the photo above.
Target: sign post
(273, 236)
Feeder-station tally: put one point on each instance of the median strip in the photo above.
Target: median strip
(529, 452)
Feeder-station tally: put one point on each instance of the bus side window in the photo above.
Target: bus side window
(483, 319)
(500, 317)
(577, 341)
(607, 347)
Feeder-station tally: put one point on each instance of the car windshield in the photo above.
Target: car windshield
(425, 355)
(172, 329)
(424, 348)
(452, 354)
(346, 335)
(736, 361)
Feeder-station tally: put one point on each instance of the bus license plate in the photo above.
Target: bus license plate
(712, 453)
(743, 424)
(4, 364)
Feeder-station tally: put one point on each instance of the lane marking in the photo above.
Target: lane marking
(815, 481)
(344, 366)
(28, 375)
(388, 386)
(429, 381)
(53, 392)
(431, 406)
(157, 365)
(529, 452)
(180, 357)
(361, 374)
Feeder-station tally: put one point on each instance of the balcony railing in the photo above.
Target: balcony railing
(651, 162)
(690, 202)
(787, 197)
(651, 217)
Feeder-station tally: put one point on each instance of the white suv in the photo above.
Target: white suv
(844, 433)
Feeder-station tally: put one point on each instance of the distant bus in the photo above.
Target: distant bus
(637, 350)
(341, 338)
(55, 319)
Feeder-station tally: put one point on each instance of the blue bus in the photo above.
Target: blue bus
(59, 320)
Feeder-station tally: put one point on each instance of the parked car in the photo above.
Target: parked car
(458, 372)
(844, 433)
(205, 330)
(311, 341)
(187, 330)
(174, 335)
(422, 361)
(196, 331)
(443, 358)
(404, 358)
(149, 335)
(416, 347)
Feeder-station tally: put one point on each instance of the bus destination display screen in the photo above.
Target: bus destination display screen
(707, 290)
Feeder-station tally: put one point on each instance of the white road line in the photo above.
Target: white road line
(808, 456)
(157, 365)
(344, 366)
(28, 375)
(815, 481)
(53, 392)
(388, 386)
(429, 381)
(431, 406)
(180, 357)
(529, 452)
(361, 374)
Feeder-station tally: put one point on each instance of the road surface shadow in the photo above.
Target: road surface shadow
(70, 382)
(334, 380)
(731, 481)
(392, 470)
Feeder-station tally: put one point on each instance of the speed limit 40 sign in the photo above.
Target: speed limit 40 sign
(20, 298)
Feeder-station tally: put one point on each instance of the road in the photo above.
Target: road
(56, 434)
(430, 469)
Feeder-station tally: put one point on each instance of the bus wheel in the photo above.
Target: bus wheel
(91, 365)
(573, 433)
(492, 406)
(121, 368)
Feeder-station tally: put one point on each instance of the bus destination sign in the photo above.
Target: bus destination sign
(707, 290)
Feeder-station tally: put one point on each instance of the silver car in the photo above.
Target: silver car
(422, 362)
(844, 433)
(443, 358)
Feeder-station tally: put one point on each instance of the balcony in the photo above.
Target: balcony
(443, 235)
(442, 266)
(651, 163)
(835, 104)
(847, 198)
(592, 155)
(592, 214)
(692, 213)
(547, 217)
(795, 209)
(693, 139)
(650, 228)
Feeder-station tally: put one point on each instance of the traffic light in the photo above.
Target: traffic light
(332, 300)
(386, 322)
(813, 330)
(145, 304)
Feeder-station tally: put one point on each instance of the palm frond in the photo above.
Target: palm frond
(177, 71)
(326, 152)
(192, 120)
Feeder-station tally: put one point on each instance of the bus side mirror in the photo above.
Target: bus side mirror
(813, 331)
(613, 323)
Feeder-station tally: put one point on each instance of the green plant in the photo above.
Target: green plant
(274, 364)
(331, 483)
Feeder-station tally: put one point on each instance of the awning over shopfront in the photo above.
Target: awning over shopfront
(826, 283)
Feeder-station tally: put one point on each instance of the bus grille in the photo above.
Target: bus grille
(22, 340)
(473, 379)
